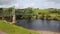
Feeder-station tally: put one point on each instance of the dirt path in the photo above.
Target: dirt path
(48, 32)
(1, 32)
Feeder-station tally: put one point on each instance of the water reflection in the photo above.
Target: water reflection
(38, 24)
(59, 26)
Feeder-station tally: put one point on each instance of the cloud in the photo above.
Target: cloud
(24, 3)
(56, 1)
(31, 3)
(7, 2)
(37, 4)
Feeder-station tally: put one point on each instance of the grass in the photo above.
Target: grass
(54, 15)
(13, 29)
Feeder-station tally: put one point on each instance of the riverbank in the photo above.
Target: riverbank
(47, 32)
(13, 29)
(46, 17)
(1, 32)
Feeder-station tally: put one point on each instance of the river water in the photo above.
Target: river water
(38, 24)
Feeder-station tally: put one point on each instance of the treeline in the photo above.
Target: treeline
(32, 13)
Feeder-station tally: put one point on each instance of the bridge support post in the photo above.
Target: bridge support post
(14, 17)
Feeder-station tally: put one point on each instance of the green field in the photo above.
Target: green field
(13, 29)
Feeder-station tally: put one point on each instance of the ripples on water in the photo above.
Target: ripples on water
(37, 24)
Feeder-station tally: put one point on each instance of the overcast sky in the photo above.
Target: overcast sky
(31, 3)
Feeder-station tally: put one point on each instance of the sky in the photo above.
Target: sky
(30, 3)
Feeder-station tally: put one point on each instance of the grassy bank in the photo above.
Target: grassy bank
(13, 29)
(51, 16)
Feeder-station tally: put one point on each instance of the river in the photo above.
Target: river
(38, 24)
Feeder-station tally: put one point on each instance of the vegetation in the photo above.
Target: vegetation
(26, 13)
(50, 13)
(13, 29)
